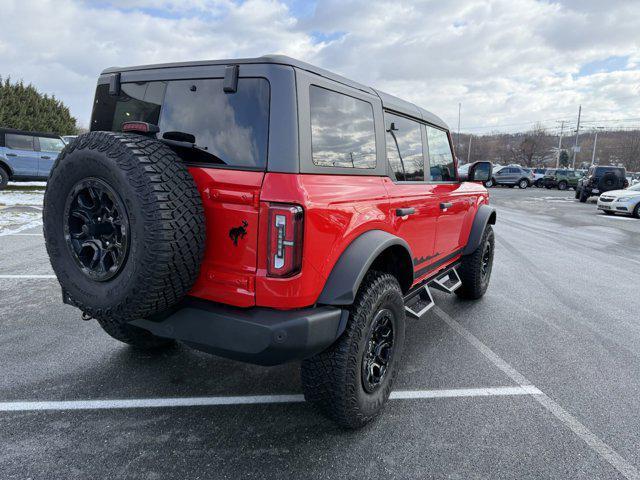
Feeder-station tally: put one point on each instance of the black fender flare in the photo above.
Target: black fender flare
(485, 215)
(349, 271)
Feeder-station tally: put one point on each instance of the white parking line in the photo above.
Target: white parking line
(16, 277)
(595, 443)
(247, 400)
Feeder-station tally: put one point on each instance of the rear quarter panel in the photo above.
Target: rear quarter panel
(338, 208)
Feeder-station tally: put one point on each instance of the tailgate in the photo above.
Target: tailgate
(231, 204)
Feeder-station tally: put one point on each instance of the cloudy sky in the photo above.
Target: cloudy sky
(509, 62)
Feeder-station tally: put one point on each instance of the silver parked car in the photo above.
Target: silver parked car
(621, 201)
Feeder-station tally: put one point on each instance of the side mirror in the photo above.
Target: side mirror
(480, 171)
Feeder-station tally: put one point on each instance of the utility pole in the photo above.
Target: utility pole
(575, 148)
(560, 145)
(595, 142)
(469, 151)
(458, 140)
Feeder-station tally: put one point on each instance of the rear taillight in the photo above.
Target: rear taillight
(285, 239)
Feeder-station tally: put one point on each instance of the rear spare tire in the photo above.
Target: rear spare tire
(123, 225)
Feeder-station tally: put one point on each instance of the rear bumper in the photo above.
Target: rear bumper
(257, 335)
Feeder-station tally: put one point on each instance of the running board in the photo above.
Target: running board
(448, 282)
(420, 301)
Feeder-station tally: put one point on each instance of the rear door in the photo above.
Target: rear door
(21, 154)
(453, 201)
(414, 205)
(49, 150)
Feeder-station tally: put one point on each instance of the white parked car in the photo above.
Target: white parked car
(621, 201)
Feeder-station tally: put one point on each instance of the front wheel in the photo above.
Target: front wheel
(636, 211)
(489, 183)
(475, 268)
(583, 196)
(523, 184)
(562, 186)
(350, 382)
(4, 178)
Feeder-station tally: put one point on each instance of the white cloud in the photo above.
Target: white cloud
(508, 62)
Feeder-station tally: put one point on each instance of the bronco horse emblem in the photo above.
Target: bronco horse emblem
(237, 233)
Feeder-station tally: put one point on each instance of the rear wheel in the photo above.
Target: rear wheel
(636, 211)
(562, 186)
(4, 178)
(350, 382)
(583, 196)
(475, 269)
(490, 183)
(577, 194)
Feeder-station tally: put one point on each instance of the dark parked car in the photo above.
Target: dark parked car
(561, 179)
(600, 179)
(27, 156)
(514, 175)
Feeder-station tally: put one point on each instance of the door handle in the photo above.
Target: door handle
(12, 154)
(445, 205)
(46, 157)
(401, 212)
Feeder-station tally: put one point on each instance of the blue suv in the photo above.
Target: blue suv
(27, 156)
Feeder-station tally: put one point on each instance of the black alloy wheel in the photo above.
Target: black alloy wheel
(96, 229)
(379, 350)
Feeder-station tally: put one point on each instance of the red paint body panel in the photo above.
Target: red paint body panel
(337, 209)
(228, 271)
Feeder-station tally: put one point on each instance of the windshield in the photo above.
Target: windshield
(229, 129)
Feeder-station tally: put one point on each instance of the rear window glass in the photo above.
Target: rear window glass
(229, 128)
(18, 142)
(404, 148)
(342, 130)
(615, 171)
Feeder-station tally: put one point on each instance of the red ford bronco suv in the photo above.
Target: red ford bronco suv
(266, 210)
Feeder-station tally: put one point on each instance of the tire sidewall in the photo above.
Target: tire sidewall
(77, 166)
(371, 403)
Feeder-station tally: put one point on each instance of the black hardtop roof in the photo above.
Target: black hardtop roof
(388, 101)
(27, 132)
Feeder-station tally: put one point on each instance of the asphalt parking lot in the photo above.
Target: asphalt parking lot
(539, 379)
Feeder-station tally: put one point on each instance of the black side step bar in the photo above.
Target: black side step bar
(420, 300)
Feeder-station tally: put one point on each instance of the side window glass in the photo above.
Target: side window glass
(442, 167)
(342, 130)
(50, 144)
(404, 148)
(19, 142)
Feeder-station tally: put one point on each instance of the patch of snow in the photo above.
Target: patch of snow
(12, 221)
(13, 198)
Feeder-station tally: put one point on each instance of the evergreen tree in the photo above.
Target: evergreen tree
(24, 108)
(564, 159)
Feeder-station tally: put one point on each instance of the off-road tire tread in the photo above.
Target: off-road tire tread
(173, 222)
(470, 270)
(325, 376)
